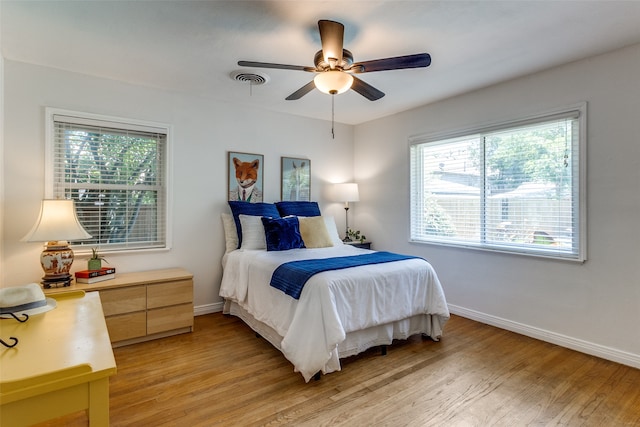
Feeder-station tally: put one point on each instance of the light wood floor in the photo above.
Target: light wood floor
(478, 375)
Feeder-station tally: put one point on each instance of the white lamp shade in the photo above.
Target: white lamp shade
(57, 221)
(333, 82)
(346, 192)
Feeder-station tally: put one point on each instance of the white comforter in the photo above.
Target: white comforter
(332, 303)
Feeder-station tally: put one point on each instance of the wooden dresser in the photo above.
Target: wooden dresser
(143, 305)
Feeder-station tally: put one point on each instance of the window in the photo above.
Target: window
(115, 170)
(513, 187)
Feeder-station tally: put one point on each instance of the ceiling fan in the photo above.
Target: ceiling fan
(334, 66)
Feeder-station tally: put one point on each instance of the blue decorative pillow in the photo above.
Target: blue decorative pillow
(256, 209)
(282, 233)
(298, 208)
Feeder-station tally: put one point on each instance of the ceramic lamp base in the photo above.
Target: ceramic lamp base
(56, 261)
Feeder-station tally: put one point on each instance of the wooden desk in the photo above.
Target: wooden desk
(61, 364)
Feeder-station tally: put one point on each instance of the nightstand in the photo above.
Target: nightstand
(357, 244)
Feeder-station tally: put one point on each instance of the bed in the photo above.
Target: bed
(338, 313)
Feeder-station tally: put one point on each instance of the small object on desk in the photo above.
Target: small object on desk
(358, 244)
(24, 300)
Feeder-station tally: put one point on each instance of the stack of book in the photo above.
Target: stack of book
(93, 276)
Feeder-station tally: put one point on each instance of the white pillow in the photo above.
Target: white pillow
(230, 233)
(330, 223)
(252, 232)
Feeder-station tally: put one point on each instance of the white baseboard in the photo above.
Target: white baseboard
(582, 346)
(207, 308)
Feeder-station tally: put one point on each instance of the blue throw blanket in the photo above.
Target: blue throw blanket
(291, 277)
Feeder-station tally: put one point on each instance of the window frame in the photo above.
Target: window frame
(579, 188)
(117, 123)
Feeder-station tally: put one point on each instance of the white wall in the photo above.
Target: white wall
(204, 131)
(593, 307)
(1, 151)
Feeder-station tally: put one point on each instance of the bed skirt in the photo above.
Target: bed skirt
(355, 341)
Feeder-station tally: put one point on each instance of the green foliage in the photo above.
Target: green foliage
(114, 163)
(535, 155)
(96, 255)
(355, 235)
(437, 221)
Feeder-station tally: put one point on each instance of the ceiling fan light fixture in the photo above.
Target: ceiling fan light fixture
(334, 65)
(333, 82)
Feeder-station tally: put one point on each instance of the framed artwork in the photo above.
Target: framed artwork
(245, 176)
(296, 179)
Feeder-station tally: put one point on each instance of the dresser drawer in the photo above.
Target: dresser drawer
(127, 326)
(123, 300)
(172, 293)
(169, 318)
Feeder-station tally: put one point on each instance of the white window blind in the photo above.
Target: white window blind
(115, 171)
(511, 187)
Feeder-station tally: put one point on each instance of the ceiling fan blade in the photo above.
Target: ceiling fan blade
(332, 37)
(396, 63)
(366, 90)
(276, 66)
(302, 91)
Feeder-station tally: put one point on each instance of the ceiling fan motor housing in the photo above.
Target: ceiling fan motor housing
(322, 65)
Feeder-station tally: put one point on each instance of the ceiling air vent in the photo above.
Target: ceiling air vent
(251, 78)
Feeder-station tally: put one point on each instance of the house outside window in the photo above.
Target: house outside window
(516, 187)
(116, 172)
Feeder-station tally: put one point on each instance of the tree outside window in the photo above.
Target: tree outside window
(512, 188)
(116, 175)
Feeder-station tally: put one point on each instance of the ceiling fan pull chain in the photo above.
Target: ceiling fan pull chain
(333, 133)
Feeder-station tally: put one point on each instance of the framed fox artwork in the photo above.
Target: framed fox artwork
(245, 176)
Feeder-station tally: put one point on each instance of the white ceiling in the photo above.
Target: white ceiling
(193, 46)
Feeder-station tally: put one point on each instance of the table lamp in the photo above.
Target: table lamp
(56, 224)
(346, 192)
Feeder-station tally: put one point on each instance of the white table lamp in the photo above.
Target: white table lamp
(346, 192)
(56, 224)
